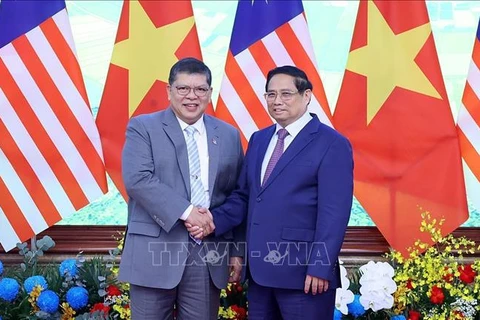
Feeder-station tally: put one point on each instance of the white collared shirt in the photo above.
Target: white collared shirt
(200, 137)
(293, 130)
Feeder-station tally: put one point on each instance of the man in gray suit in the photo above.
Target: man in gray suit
(174, 162)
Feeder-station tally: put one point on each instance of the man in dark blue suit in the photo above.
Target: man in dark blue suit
(295, 190)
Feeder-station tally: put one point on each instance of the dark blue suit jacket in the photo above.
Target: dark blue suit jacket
(296, 222)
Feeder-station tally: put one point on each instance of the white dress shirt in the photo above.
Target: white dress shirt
(200, 137)
(293, 130)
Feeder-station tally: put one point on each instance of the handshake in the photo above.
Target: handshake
(200, 223)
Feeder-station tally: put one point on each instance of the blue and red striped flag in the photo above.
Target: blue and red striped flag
(51, 161)
(266, 34)
(468, 126)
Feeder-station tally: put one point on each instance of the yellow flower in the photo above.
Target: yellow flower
(125, 313)
(67, 312)
(223, 293)
(33, 297)
(436, 265)
(230, 313)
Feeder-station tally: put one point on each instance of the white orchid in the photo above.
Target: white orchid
(343, 276)
(374, 270)
(376, 300)
(377, 285)
(385, 285)
(342, 298)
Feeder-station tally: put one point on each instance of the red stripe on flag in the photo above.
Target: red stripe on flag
(13, 213)
(62, 111)
(246, 93)
(262, 57)
(37, 132)
(65, 55)
(469, 154)
(476, 52)
(223, 113)
(27, 175)
(471, 103)
(301, 59)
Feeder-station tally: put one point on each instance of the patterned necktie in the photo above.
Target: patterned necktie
(197, 196)
(277, 153)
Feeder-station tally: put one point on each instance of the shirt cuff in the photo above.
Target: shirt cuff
(186, 213)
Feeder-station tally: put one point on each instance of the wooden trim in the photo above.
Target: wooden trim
(360, 242)
(89, 239)
(369, 241)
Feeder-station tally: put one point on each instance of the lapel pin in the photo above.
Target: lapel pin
(214, 141)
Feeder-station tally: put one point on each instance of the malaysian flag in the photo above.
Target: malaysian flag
(266, 34)
(50, 154)
(468, 126)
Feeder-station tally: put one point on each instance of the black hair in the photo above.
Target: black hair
(189, 66)
(301, 80)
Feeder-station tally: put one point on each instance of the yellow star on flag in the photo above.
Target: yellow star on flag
(148, 53)
(388, 61)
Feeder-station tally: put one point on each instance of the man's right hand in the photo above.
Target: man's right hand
(200, 223)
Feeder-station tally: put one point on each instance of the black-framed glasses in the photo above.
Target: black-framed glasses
(198, 91)
(270, 96)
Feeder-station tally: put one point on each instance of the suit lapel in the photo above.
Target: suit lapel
(305, 136)
(174, 132)
(262, 149)
(213, 142)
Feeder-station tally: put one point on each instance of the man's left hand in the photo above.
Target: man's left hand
(318, 285)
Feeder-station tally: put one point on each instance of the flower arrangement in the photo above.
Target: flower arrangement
(438, 282)
(433, 282)
(367, 293)
(74, 289)
(233, 302)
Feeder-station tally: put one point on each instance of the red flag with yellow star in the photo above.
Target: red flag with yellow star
(151, 37)
(394, 109)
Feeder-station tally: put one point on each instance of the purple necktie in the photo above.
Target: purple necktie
(277, 153)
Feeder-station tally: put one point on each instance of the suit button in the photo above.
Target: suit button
(259, 199)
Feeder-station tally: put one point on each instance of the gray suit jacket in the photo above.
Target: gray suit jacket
(156, 175)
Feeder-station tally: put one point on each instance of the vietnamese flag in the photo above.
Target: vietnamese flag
(151, 37)
(394, 109)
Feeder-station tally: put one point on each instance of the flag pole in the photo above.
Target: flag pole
(33, 243)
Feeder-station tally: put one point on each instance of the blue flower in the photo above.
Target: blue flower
(355, 308)
(77, 297)
(1, 271)
(48, 301)
(34, 281)
(68, 267)
(337, 315)
(9, 289)
(400, 317)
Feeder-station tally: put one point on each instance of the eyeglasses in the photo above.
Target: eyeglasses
(199, 91)
(284, 95)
